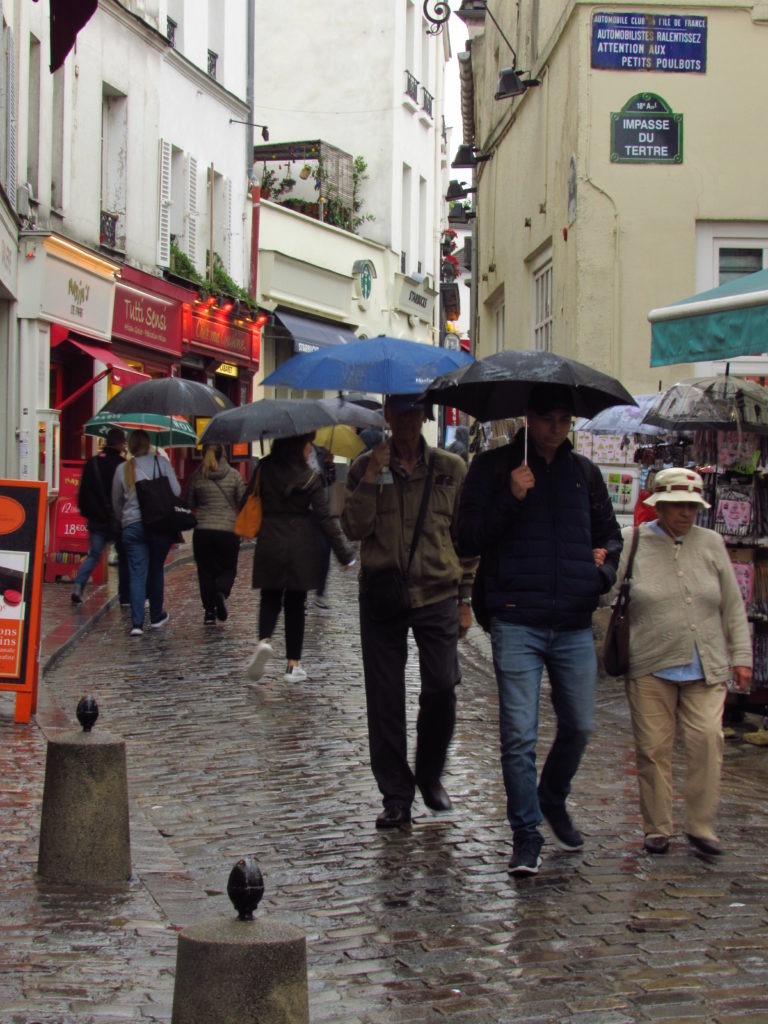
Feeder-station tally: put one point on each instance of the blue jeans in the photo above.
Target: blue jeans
(146, 551)
(97, 542)
(520, 653)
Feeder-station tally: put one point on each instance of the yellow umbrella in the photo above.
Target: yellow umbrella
(341, 440)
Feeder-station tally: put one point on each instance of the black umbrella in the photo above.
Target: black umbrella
(498, 387)
(283, 417)
(171, 396)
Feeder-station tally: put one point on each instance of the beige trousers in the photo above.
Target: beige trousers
(656, 706)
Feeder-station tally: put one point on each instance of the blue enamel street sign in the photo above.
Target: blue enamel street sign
(646, 131)
(649, 42)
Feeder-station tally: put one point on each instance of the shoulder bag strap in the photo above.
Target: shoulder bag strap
(631, 560)
(422, 511)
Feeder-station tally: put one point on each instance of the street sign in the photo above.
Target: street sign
(635, 41)
(646, 131)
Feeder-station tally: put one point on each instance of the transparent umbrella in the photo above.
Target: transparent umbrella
(711, 403)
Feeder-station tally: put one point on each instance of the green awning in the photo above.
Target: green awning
(721, 323)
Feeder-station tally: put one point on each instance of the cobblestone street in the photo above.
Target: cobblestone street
(400, 927)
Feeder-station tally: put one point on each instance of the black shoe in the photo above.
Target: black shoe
(567, 837)
(209, 619)
(704, 847)
(526, 855)
(76, 597)
(394, 817)
(221, 607)
(434, 796)
(656, 844)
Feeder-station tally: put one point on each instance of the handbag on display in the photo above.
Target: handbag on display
(386, 590)
(616, 645)
(162, 510)
(248, 521)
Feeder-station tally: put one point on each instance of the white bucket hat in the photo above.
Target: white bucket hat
(681, 485)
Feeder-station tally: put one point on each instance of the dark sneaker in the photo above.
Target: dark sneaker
(76, 597)
(566, 835)
(526, 854)
(209, 619)
(221, 607)
(159, 623)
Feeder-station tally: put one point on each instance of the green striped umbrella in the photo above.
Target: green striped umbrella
(166, 431)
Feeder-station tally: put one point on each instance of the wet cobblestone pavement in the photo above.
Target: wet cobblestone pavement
(400, 927)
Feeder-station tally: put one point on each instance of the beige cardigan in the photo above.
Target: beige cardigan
(681, 594)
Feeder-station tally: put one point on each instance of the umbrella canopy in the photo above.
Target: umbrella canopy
(382, 365)
(731, 320)
(352, 413)
(284, 417)
(498, 386)
(166, 431)
(623, 419)
(340, 440)
(172, 396)
(711, 403)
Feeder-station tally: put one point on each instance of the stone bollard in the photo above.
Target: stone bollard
(84, 827)
(241, 971)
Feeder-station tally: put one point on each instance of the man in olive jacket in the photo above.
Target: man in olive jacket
(383, 497)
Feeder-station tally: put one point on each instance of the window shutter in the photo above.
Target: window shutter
(10, 117)
(164, 213)
(228, 226)
(190, 209)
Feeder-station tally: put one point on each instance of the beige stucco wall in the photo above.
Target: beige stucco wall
(632, 244)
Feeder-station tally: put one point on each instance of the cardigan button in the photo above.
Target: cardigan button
(689, 600)
(693, 627)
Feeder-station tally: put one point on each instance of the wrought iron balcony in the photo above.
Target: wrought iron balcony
(412, 86)
(427, 100)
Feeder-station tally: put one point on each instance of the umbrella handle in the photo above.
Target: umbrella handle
(525, 443)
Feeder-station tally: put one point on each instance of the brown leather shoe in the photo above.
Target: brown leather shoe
(656, 844)
(704, 847)
(394, 817)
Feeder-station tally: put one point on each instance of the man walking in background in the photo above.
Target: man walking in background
(95, 503)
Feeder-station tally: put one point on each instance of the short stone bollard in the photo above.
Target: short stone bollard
(84, 826)
(241, 970)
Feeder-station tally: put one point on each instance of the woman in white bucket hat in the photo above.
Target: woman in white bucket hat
(688, 637)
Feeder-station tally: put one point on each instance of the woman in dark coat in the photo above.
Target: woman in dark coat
(288, 561)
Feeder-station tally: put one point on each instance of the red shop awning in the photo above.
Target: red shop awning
(122, 373)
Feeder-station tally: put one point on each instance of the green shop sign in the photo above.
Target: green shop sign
(646, 131)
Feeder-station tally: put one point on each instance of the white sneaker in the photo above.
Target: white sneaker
(263, 653)
(295, 674)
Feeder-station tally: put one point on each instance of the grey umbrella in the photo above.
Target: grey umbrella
(284, 417)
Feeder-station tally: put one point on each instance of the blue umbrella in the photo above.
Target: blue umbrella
(382, 364)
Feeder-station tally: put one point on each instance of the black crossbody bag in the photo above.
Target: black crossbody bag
(386, 591)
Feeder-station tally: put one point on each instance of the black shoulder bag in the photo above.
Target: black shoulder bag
(616, 645)
(386, 591)
(161, 510)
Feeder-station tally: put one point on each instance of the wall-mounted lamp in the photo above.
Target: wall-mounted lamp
(252, 124)
(458, 191)
(458, 214)
(510, 83)
(468, 156)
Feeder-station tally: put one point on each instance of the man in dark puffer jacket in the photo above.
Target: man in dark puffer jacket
(550, 546)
